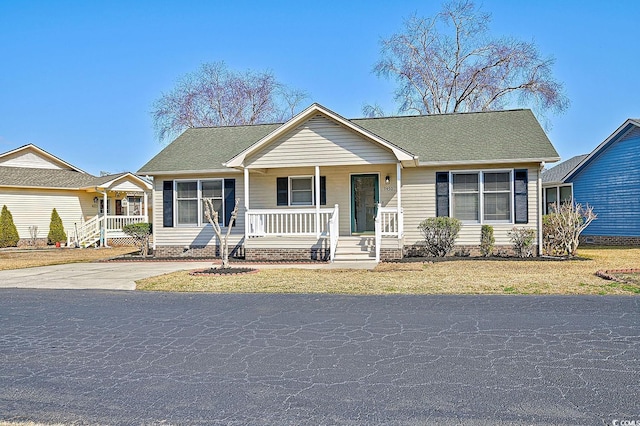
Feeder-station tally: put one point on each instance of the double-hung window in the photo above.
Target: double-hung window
(190, 206)
(481, 197)
(301, 191)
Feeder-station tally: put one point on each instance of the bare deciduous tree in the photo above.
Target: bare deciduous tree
(561, 229)
(211, 214)
(448, 63)
(214, 95)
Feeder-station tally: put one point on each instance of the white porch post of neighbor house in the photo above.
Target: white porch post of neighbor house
(399, 196)
(317, 183)
(105, 208)
(145, 200)
(246, 202)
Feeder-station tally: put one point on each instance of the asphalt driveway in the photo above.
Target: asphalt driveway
(98, 357)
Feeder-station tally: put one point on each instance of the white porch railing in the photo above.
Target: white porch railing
(389, 222)
(86, 234)
(274, 222)
(334, 231)
(93, 230)
(117, 223)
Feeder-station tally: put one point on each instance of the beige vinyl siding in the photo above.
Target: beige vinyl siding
(418, 202)
(194, 235)
(320, 141)
(126, 185)
(33, 207)
(28, 159)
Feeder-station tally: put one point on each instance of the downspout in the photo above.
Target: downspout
(539, 208)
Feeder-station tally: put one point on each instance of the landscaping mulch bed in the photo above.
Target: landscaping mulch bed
(138, 258)
(224, 271)
(614, 274)
(434, 259)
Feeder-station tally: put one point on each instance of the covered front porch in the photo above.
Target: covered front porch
(365, 216)
(120, 201)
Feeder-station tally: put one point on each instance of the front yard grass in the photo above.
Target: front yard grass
(449, 277)
(12, 258)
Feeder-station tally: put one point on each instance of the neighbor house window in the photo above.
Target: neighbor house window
(553, 194)
(481, 196)
(134, 206)
(101, 208)
(190, 206)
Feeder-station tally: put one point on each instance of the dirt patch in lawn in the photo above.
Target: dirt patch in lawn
(12, 258)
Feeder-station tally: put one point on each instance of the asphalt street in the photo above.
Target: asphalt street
(113, 357)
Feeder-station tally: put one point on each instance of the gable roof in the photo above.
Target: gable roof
(629, 124)
(557, 173)
(460, 138)
(305, 115)
(52, 158)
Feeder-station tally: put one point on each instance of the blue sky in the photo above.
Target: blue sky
(78, 78)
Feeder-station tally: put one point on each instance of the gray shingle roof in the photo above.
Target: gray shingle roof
(45, 178)
(51, 178)
(463, 137)
(557, 173)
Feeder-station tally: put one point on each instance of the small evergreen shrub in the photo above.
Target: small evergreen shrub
(8, 233)
(56, 229)
(487, 241)
(522, 240)
(440, 234)
(140, 233)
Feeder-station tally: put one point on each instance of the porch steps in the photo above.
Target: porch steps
(354, 249)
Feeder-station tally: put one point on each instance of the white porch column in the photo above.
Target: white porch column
(246, 203)
(317, 183)
(399, 197)
(145, 200)
(104, 216)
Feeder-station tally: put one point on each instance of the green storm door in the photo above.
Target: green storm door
(364, 199)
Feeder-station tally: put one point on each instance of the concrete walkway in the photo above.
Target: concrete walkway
(122, 275)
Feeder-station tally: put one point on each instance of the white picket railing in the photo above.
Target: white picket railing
(334, 231)
(275, 222)
(86, 234)
(389, 222)
(117, 223)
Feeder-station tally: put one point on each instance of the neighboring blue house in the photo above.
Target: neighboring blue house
(609, 180)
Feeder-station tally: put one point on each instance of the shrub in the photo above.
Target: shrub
(522, 239)
(487, 241)
(440, 234)
(8, 232)
(562, 228)
(56, 229)
(140, 233)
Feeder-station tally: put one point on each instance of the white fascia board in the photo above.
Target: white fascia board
(190, 172)
(483, 162)
(607, 141)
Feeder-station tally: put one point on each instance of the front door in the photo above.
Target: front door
(364, 199)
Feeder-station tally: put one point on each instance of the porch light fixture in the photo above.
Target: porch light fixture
(95, 200)
(387, 179)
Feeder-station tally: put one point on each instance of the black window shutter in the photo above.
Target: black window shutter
(229, 199)
(323, 190)
(282, 191)
(520, 196)
(442, 194)
(167, 203)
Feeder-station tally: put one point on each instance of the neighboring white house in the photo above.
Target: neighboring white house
(324, 187)
(33, 182)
